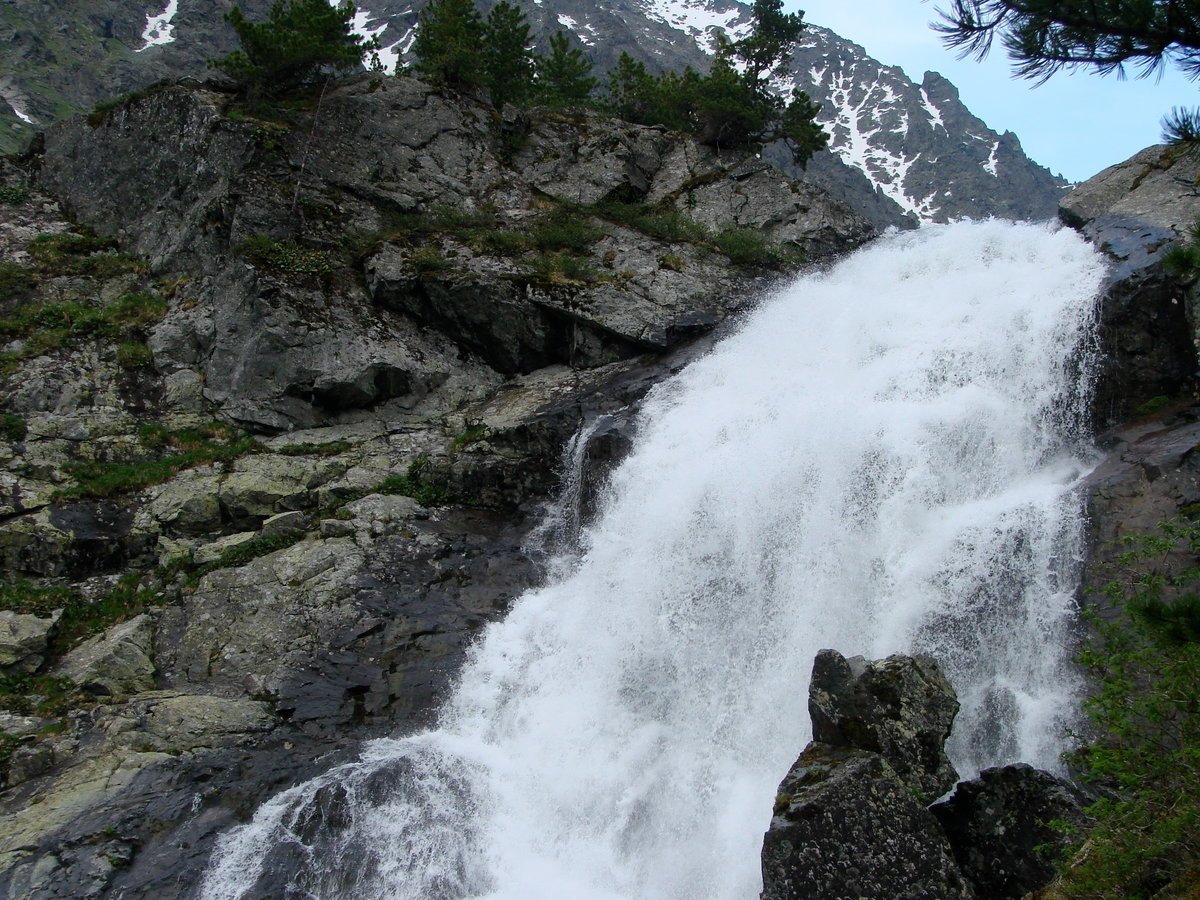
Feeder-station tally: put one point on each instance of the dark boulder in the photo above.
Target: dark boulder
(846, 826)
(901, 707)
(999, 826)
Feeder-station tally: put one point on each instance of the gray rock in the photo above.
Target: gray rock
(214, 550)
(901, 707)
(284, 523)
(999, 826)
(117, 662)
(23, 640)
(846, 827)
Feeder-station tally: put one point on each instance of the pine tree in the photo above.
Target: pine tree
(300, 42)
(733, 105)
(564, 78)
(508, 63)
(1045, 36)
(450, 35)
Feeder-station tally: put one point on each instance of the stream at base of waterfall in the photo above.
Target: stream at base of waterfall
(883, 458)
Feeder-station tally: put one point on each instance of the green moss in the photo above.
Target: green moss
(20, 595)
(561, 270)
(80, 253)
(187, 448)
(429, 260)
(247, 552)
(663, 223)
(12, 427)
(504, 243)
(287, 257)
(563, 230)
(134, 355)
(472, 435)
(418, 482)
(1153, 405)
(747, 247)
(49, 327)
(671, 261)
(1145, 736)
(15, 280)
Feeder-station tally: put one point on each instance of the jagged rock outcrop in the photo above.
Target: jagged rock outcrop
(850, 818)
(901, 707)
(382, 150)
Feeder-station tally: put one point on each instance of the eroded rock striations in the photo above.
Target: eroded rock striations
(281, 401)
(852, 818)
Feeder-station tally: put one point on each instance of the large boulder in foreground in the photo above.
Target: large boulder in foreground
(850, 819)
(999, 825)
(846, 826)
(851, 816)
(901, 707)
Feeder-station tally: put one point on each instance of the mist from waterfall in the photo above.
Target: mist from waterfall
(883, 458)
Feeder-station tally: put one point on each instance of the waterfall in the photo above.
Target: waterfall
(884, 458)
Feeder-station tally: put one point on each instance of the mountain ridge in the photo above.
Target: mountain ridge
(889, 172)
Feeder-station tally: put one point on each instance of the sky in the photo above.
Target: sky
(1075, 124)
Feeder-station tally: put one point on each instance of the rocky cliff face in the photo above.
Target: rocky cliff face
(900, 152)
(280, 402)
(1149, 328)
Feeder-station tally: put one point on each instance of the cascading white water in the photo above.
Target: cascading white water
(881, 460)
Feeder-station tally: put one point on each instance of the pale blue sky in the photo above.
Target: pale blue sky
(1075, 124)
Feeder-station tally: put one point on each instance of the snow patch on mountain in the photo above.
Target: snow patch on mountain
(699, 19)
(160, 29)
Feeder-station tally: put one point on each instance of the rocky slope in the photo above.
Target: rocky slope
(900, 152)
(281, 400)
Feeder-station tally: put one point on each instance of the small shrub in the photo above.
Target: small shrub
(671, 261)
(289, 258)
(419, 483)
(561, 270)
(12, 427)
(134, 355)
(13, 195)
(747, 247)
(428, 260)
(1182, 260)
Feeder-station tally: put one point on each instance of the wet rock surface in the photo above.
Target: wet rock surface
(852, 818)
(1134, 212)
(1001, 827)
(901, 707)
